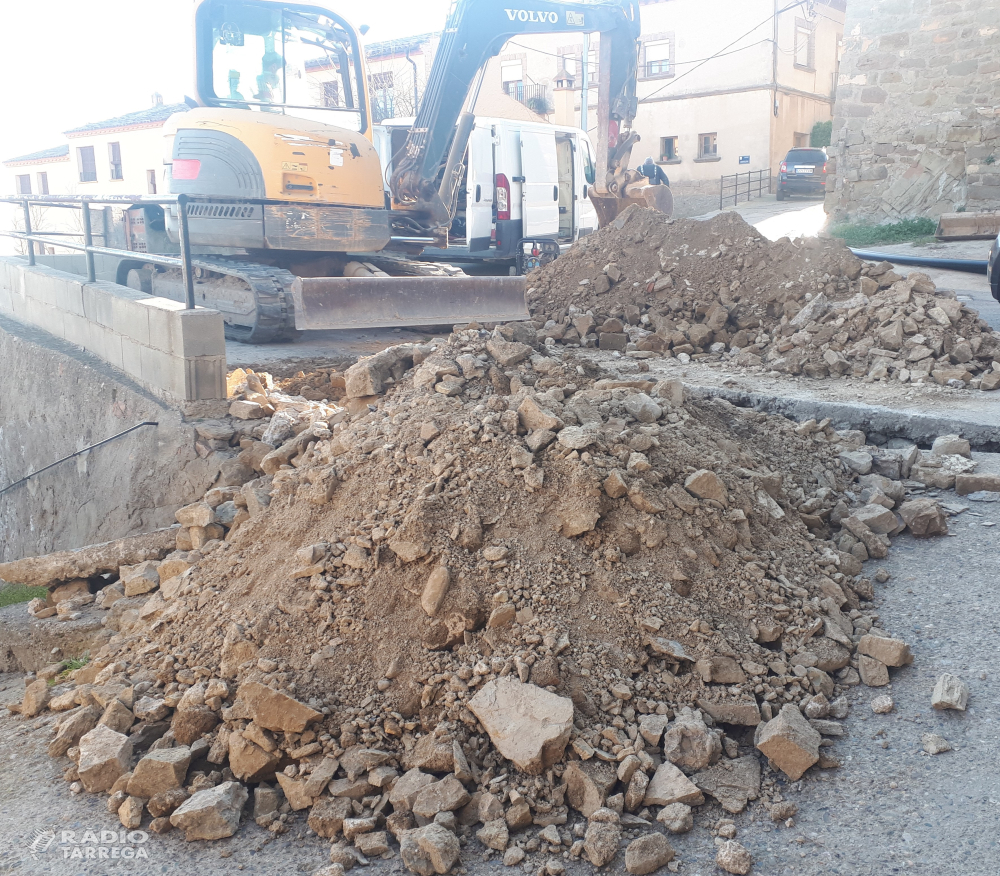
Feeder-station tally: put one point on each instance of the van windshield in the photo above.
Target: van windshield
(283, 60)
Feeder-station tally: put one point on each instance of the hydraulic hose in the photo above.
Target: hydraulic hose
(969, 266)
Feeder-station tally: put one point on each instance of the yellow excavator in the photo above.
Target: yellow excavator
(285, 201)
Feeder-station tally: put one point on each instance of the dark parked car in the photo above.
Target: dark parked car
(993, 268)
(803, 172)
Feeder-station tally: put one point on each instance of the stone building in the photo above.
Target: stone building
(916, 127)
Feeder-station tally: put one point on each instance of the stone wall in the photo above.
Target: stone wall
(917, 119)
(56, 399)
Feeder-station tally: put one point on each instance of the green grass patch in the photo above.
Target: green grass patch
(14, 594)
(861, 235)
(69, 666)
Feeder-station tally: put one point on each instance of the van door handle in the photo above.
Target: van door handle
(585, 190)
(479, 193)
(555, 193)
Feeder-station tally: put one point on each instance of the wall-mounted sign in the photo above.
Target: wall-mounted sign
(744, 159)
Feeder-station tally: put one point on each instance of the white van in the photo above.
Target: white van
(522, 179)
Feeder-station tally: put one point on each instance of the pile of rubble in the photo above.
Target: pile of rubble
(500, 594)
(718, 290)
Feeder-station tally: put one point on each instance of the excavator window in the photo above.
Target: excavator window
(296, 60)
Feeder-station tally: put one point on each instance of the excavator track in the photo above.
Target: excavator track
(272, 317)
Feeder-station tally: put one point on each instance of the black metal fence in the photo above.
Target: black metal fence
(744, 186)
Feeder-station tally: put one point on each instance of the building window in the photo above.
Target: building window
(115, 158)
(331, 94)
(668, 149)
(43, 183)
(382, 81)
(805, 44)
(657, 56)
(86, 163)
(151, 182)
(708, 147)
(23, 184)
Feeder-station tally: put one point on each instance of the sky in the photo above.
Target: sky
(67, 62)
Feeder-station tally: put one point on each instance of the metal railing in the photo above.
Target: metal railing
(183, 261)
(745, 186)
(527, 94)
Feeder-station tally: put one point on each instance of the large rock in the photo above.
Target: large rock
(670, 785)
(36, 698)
(507, 353)
(211, 814)
(88, 562)
(891, 652)
(604, 832)
(159, 771)
(272, 709)
(446, 795)
(534, 417)
(141, 578)
(950, 692)
(327, 817)
(789, 742)
(732, 782)
(588, 783)
(72, 729)
(647, 854)
(105, 756)
(193, 723)
(707, 485)
(528, 725)
(734, 858)
(642, 408)
(951, 445)
(249, 762)
(689, 743)
(429, 850)
(923, 517)
(407, 788)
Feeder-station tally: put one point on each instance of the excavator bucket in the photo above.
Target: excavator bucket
(609, 207)
(395, 302)
(968, 226)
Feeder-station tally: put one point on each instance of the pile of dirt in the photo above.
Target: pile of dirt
(509, 589)
(719, 290)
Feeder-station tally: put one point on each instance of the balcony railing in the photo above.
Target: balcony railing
(534, 97)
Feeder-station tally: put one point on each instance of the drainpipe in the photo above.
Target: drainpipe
(585, 81)
(416, 92)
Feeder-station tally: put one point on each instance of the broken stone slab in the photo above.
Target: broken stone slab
(720, 670)
(670, 785)
(588, 784)
(789, 742)
(72, 729)
(36, 698)
(159, 771)
(213, 813)
(447, 795)
(676, 818)
(271, 709)
(105, 756)
(874, 673)
(951, 445)
(950, 692)
(967, 484)
(891, 652)
(923, 517)
(647, 854)
(741, 714)
(934, 744)
(732, 782)
(327, 816)
(429, 850)
(528, 724)
(407, 787)
(52, 570)
(707, 485)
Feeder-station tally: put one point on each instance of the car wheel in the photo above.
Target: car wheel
(781, 195)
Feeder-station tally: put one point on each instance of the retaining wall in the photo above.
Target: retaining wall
(177, 354)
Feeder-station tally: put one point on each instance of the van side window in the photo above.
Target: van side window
(588, 164)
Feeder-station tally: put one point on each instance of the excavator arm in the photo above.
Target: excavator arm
(428, 175)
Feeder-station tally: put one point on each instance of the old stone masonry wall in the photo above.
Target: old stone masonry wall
(917, 117)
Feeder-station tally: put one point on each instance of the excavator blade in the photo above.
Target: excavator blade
(393, 302)
(610, 207)
(968, 226)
